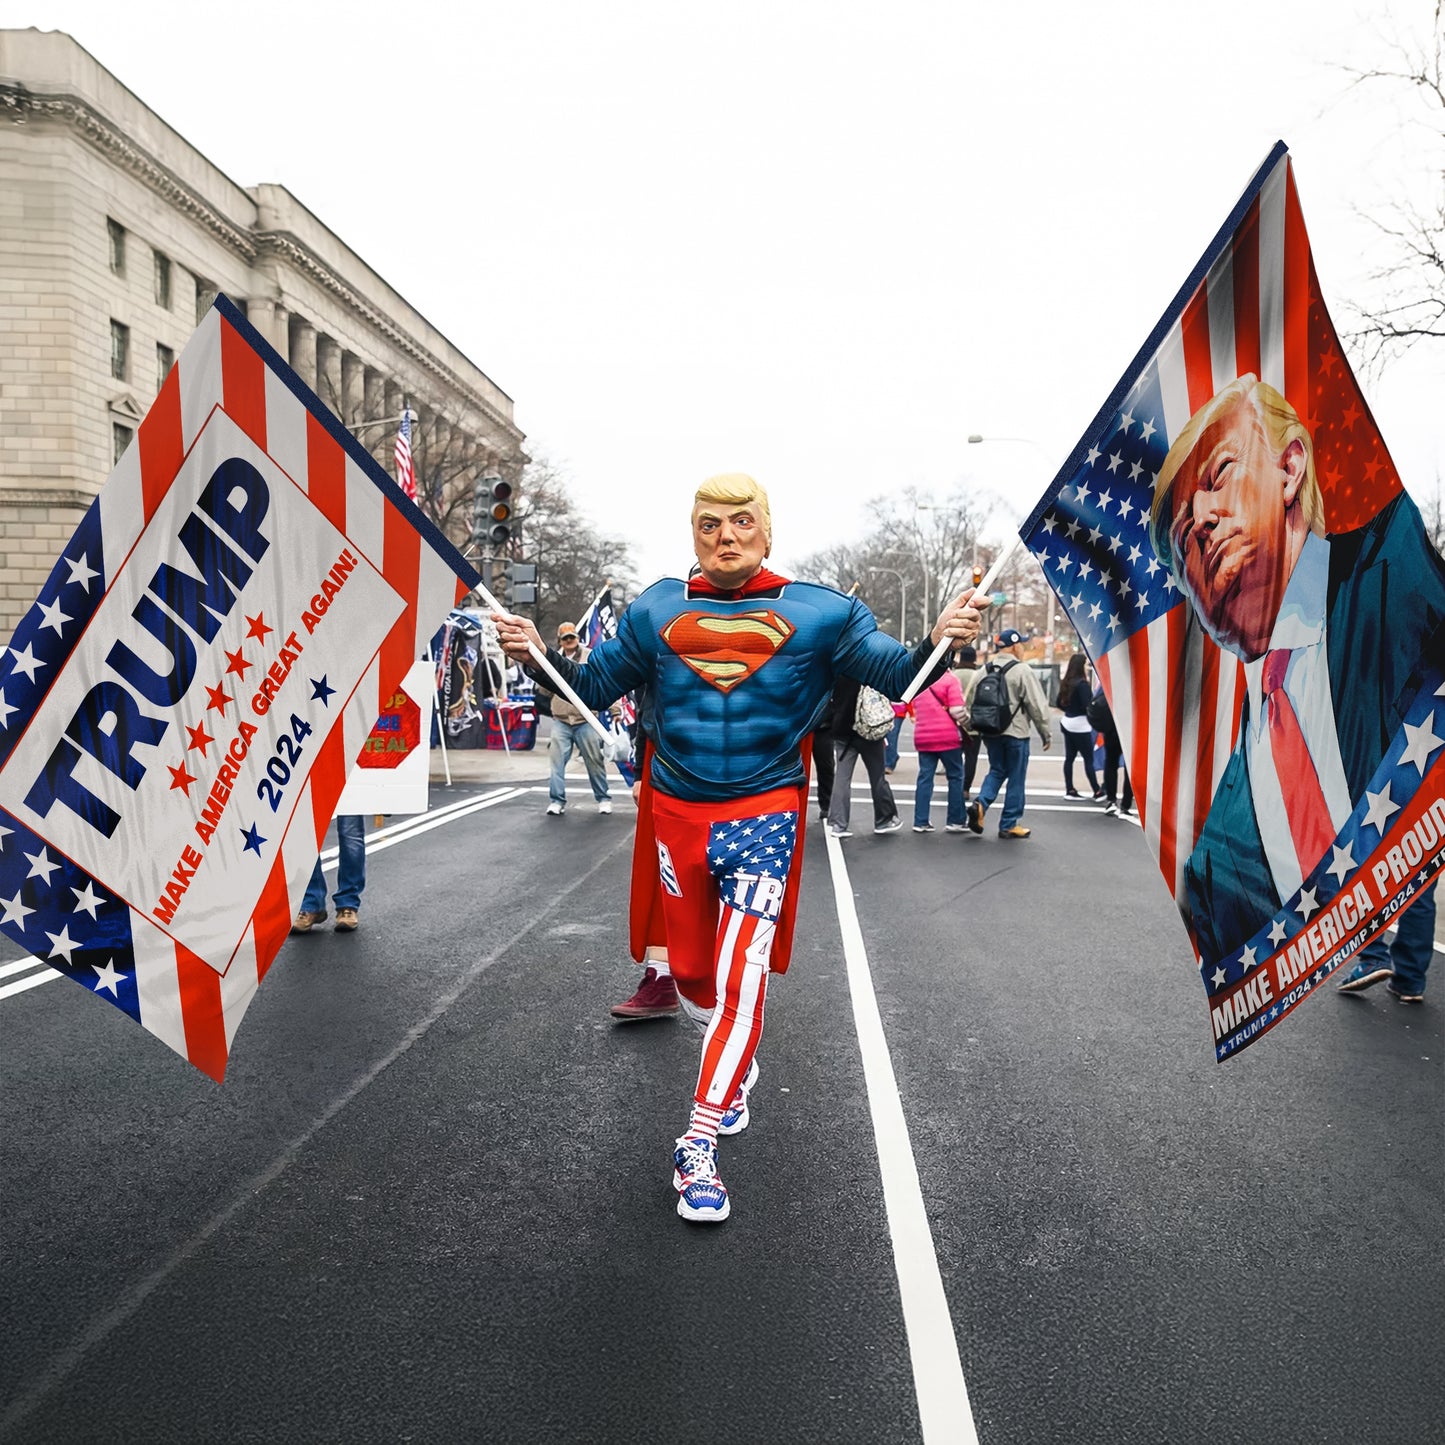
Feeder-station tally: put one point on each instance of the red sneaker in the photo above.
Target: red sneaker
(656, 998)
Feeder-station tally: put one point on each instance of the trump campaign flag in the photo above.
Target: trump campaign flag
(181, 706)
(1267, 616)
(599, 622)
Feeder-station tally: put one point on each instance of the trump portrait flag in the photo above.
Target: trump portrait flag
(181, 705)
(1267, 615)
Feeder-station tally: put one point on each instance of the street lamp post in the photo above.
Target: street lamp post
(902, 598)
(974, 439)
(357, 427)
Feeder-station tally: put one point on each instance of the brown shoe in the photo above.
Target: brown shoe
(656, 998)
(1017, 831)
(304, 922)
(346, 921)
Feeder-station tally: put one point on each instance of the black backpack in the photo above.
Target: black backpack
(989, 713)
(1098, 714)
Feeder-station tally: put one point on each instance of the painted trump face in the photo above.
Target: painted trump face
(730, 541)
(1235, 530)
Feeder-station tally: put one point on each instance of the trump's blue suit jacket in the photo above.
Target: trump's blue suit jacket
(1385, 623)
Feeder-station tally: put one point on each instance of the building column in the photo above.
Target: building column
(301, 348)
(328, 372)
(270, 319)
(373, 396)
(352, 371)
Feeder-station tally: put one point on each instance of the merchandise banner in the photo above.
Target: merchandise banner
(1267, 616)
(181, 706)
(393, 769)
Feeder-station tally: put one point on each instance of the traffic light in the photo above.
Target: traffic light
(514, 583)
(492, 512)
(977, 575)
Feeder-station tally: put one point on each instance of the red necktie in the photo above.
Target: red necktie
(1304, 799)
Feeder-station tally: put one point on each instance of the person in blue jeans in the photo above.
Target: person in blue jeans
(890, 747)
(350, 880)
(1008, 753)
(1404, 963)
(571, 730)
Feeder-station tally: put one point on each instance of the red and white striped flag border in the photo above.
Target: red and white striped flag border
(1265, 937)
(181, 706)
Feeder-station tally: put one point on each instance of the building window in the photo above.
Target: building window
(120, 439)
(165, 359)
(205, 294)
(163, 280)
(117, 246)
(119, 351)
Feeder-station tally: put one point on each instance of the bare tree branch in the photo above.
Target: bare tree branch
(1409, 304)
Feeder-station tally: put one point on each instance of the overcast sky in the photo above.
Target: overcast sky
(821, 243)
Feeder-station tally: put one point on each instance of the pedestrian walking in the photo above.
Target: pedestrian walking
(350, 881)
(741, 662)
(1008, 749)
(849, 746)
(964, 667)
(1403, 964)
(825, 762)
(1102, 721)
(938, 713)
(570, 730)
(1074, 695)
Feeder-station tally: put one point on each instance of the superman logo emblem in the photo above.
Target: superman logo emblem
(727, 650)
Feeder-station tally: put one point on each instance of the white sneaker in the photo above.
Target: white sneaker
(555, 810)
(605, 806)
(736, 1116)
(835, 832)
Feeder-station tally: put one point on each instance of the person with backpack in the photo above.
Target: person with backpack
(860, 730)
(1004, 698)
(1074, 696)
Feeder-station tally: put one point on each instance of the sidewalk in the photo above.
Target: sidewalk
(482, 765)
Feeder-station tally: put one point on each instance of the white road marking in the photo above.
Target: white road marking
(33, 981)
(943, 1406)
(376, 842)
(389, 837)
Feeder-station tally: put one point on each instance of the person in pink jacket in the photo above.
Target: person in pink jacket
(938, 713)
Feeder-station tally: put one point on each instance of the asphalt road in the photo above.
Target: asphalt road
(431, 1201)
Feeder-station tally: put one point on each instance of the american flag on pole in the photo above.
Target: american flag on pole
(405, 472)
(1271, 912)
(181, 706)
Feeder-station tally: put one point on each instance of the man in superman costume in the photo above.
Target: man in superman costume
(740, 663)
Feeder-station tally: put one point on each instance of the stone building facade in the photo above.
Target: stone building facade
(115, 235)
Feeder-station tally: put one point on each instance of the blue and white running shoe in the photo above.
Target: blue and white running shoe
(701, 1195)
(736, 1117)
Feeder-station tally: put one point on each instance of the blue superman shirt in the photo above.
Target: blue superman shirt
(738, 682)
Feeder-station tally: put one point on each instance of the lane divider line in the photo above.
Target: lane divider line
(33, 981)
(389, 837)
(943, 1407)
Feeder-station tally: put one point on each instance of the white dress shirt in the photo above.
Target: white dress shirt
(1300, 627)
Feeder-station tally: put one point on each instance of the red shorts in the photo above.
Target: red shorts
(689, 856)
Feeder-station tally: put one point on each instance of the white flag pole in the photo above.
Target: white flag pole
(559, 683)
(983, 589)
(441, 717)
